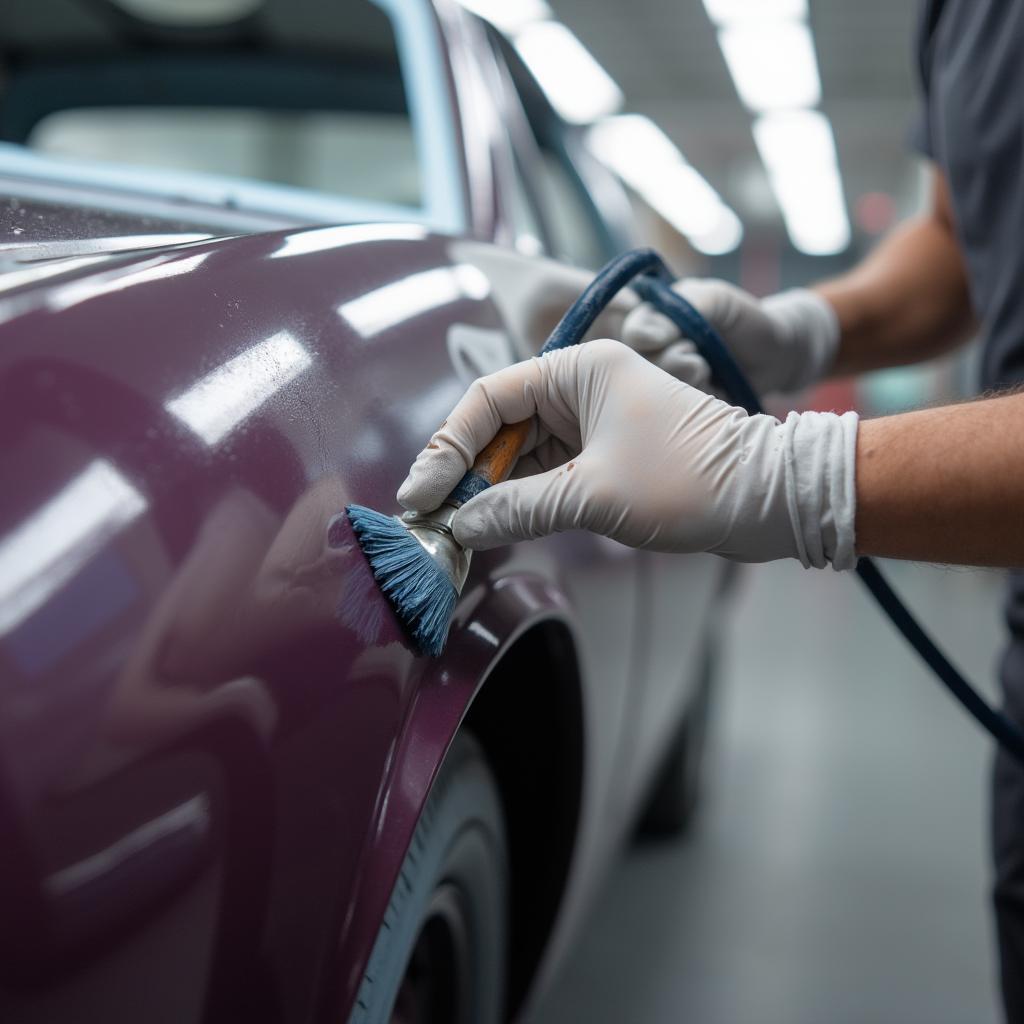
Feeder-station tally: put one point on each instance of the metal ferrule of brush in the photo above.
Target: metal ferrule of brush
(433, 532)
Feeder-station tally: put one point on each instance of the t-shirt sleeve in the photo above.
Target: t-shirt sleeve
(920, 134)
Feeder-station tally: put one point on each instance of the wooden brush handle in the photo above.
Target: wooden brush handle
(493, 464)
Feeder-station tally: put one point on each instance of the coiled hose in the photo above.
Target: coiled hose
(646, 272)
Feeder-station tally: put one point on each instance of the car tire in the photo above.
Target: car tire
(675, 794)
(440, 954)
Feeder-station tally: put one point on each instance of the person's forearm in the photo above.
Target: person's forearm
(944, 485)
(908, 301)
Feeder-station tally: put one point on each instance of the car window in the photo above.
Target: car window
(357, 154)
(565, 217)
(571, 219)
(526, 218)
(351, 106)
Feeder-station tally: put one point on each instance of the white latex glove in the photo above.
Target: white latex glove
(782, 343)
(621, 448)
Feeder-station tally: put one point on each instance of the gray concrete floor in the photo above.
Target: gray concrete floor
(838, 871)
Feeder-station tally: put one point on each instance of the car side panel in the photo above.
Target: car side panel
(214, 738)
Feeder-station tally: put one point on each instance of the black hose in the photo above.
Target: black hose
(651, 279)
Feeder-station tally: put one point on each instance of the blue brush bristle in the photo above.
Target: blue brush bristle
(417, 587)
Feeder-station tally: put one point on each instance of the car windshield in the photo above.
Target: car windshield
(258, 105)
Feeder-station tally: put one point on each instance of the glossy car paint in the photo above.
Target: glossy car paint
(197, 603)
(214, 738)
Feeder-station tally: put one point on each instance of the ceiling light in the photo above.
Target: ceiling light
(797, 137)
(579, 89)
(732, 12)
(799, 153)
(509, 16)
(646, 159)
(191, 13)
(686, 198)
(773, 65)
(725, 236)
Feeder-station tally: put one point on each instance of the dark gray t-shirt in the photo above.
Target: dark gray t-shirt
(971, 55)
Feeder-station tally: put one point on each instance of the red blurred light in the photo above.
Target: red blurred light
(875, 212)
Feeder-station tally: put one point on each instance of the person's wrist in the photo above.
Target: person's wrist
(820, 451)
(809, 330)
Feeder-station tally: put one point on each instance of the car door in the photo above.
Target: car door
(194, 728)
(568, 195)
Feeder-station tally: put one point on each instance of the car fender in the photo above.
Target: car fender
(491, 619)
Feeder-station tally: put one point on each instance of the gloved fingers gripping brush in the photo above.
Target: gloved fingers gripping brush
(416, 561)
(653, 463)
(746, 486)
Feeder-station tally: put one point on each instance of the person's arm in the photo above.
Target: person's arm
(944, 485)
(620, 448)
(908, 300)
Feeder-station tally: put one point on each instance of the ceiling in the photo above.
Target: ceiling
(664, 55)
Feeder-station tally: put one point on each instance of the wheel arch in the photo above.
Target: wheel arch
(541, 782)
(510, 634)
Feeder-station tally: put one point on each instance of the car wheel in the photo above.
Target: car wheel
(675, 794)
(440, 955)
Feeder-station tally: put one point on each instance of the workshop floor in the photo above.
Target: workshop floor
(839, 870)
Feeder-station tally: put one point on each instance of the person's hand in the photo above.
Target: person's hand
(621, 448)
(781, 343)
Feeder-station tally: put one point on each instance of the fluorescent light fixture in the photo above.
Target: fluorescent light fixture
(795, 138)
(772, 65)
(392, 304)
(631, 144)
(45, 552)
(220, 401)
(579, 89)
(724, 237)
(319, 239)
(647, 160)
(799, 153)
(509, 16)
(192, 13)
(689, 199)
(734, 12)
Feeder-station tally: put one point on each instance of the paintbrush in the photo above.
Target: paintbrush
(417, 562)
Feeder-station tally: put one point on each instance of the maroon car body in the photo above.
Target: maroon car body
(215, 741)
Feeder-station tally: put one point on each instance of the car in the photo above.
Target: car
(252, 253)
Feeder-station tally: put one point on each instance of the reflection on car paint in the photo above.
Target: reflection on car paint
(478, 351)
(24, 252)
(320, 239)
(392, 304)
(92, 600)
(65, 296)
(231, 613)
(227, 395)
(42, 554)
(186, 824)
(480, 630)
